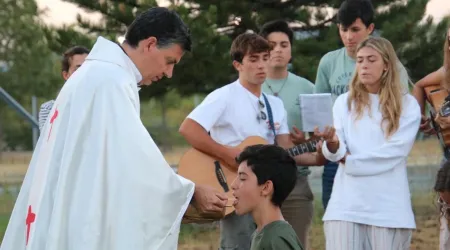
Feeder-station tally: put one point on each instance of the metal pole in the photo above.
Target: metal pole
(34, 114)
(196, 100)
(15, 105)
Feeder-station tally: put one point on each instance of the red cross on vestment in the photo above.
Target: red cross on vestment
(54, 116)
(30, 219)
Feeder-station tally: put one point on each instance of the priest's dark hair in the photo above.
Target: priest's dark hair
(350, 10)
(69, 53)
(271, 163)
(163, 24)
(277, 26)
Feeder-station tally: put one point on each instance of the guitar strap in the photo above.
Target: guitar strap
(269, 113)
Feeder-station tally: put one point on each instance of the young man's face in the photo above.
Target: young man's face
(281, 52)
(253, 67)
(74, 62)
(247, 192)
(352, 35)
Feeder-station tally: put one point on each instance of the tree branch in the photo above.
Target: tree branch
(315, 27)
(130, 3)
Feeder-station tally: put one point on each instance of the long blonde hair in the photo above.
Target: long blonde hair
(390, 91)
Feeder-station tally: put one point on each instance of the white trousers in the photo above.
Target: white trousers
(343, 235)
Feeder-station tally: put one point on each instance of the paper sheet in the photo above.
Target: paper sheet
(316, 110)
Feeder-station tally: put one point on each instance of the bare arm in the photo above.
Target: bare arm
(434, 78)
(446, 68)
(199, 138)
(306, 159)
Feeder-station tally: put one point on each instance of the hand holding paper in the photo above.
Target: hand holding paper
(316, 110)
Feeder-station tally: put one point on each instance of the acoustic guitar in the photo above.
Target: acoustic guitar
(439, 100)
(204, 169)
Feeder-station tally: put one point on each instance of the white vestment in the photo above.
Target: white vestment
(96, 179)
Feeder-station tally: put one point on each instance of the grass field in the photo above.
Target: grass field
(13, 167)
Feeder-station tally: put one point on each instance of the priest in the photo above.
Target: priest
(96, 180)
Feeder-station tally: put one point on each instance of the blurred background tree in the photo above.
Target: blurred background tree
(28, 66)
(214, 23)
(31, 64)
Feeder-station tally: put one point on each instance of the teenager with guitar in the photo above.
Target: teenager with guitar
(375, 126)
(298, 208)
(440, 77)
(355, 23)
(235, 112)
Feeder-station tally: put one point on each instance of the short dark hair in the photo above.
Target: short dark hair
(351, 10)
(248, 43)
(163, 24)
(277, 26)
(68, 54)
(271, 162)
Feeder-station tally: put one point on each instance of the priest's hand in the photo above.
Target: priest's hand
(208, 200)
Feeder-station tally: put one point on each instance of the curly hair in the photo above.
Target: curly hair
(442, 185)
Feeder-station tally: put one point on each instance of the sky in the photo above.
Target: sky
(60, 12)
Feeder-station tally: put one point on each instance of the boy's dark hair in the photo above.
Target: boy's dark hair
(68, 54)
(270, 162)
(277, 26)
(351, 10)
(163, 24)
(248, 43)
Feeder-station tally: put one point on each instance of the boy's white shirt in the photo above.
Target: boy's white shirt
(230, 115)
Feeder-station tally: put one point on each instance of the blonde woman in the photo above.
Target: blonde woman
(375, 125)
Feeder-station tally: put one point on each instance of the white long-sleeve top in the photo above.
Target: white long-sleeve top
(372, 186)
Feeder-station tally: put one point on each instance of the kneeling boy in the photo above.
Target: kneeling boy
(266, 176)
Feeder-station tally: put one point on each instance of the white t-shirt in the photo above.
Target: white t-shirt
(230, 115)
(372, 187)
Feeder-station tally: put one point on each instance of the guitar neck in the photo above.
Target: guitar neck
(309, 146)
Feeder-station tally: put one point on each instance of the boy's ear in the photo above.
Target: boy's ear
(267, 189)
(371, 28)
(237, 65)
